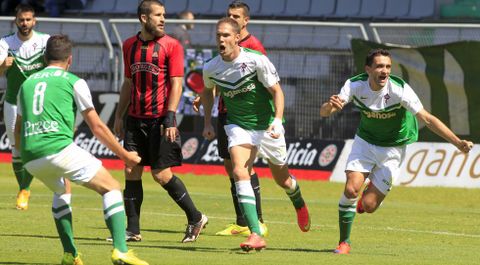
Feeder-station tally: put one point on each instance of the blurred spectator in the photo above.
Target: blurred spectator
(181, 31)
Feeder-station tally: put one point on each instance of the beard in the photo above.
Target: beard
(24, 31)
(151, 29)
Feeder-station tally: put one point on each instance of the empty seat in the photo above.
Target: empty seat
(347, 8)
(219, 7)
(125, 6)
(325, 37)
(371, 9)
(395, 9)
(203, 34)
(272, 7)
(175, 6)
(254, 6)
(200, 7)
(296, 8)
(317, 66)
(345, 37)
(291, 65)
(276, 36)
(257, 31)
(300, 37)
(421, 9)
(49, 27)
(100, 7)
(321, 8)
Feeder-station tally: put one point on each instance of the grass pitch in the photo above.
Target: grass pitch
(413, 226)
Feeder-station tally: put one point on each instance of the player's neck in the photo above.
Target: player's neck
(244, 33)
(145, 36)
(25, 38)
(374, 86)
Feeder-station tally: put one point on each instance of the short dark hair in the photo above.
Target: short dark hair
(242, 5)
(22, 8)
(59, 48)
(231, 21)
(144, 7)
(374, 53)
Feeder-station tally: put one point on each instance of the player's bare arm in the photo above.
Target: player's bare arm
(276, 128)
(438, 127)
(334, 104)
(106, 137)
(171, 130)
(207, 98)
(197, 102)
(123, 103)
(5, 64)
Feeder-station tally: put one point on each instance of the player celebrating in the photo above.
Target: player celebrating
(250, 87)
(240, 12)
(388, 107)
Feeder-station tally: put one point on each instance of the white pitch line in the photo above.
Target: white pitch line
(394, 229)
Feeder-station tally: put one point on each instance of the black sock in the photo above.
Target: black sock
(178, 192)
(238, 212)
(133, 198)
(256, 189)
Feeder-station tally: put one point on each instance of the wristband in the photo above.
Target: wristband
(169, 120)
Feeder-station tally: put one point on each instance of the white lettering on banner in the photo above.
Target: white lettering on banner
(297, 156)
(4, 142)
(109, 101)
(428, 164)
(211, 155)
(92, 145)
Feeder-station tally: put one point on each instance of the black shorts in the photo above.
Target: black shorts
(144, 137)
(222, 139)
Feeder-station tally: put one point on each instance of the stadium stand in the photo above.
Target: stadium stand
(321, 9)
(175, 6)
(395, 9)
(296, 8)
(347, 8)
(272, 7)
(200, 7)
(420, 9)
(371, 9)
(125, 6)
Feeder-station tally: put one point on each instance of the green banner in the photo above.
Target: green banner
(445, 77)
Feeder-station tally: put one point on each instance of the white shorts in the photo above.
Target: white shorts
(274, 150)
(383, 163)
(72, 162)
(10, 117)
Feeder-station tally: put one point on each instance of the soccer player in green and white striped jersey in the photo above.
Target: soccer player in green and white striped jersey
(21, 54)
(389, 108)
(47, 104)
(250, 87)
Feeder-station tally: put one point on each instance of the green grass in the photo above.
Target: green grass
(414, 226)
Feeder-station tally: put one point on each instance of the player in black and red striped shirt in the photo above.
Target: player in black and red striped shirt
(152, 88)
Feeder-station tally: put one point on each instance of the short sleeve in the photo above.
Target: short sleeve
(83, 98)
(266, 72)
(3, 50)
(410, 100)
(207, 82)
(175, 60)
(346, 92)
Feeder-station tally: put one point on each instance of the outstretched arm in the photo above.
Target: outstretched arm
(439, 128)
(334, 104)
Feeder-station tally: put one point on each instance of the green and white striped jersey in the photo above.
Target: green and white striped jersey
(243, 83)
(28, 59)
(387, 115)
(48, 101)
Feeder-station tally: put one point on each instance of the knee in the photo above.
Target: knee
(240, 173)
(162, 177)
(351, 191)
(370, 205)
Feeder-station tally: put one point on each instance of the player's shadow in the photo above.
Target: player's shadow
(301, 250)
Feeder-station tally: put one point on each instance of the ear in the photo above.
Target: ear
(143, 18)
(247, 19)
(34, 21)
(367, 68)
